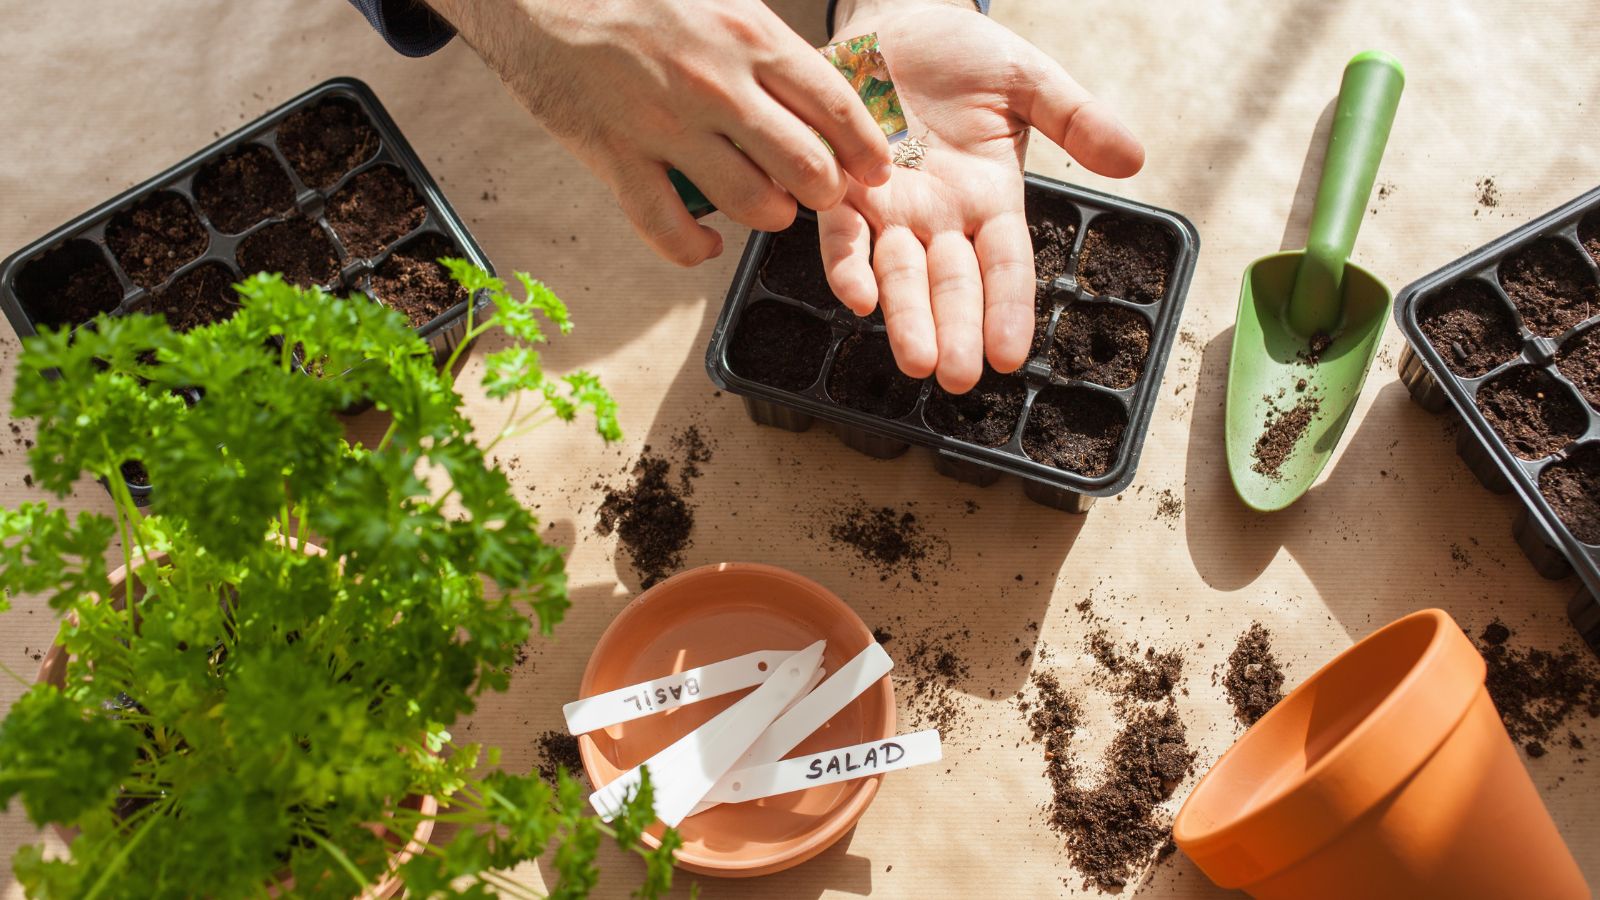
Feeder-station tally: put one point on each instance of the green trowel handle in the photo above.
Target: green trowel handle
(1367, 100)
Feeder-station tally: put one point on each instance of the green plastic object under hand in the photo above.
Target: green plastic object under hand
(1310, 320)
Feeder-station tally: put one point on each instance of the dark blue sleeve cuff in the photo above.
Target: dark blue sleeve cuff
(983, 7)
(409, 26)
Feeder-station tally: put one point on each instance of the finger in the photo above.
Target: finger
(791, 155)
(955, 287)
(901, 264)
(648, 200)
(823, 99)
(847, 257)
(730, 180)
(1005, 256)
(1057, 105)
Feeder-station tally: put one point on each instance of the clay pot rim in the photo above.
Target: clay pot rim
(840, 821)
(53, 671)
(1374, 757)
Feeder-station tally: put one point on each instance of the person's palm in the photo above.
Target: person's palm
(944, 247)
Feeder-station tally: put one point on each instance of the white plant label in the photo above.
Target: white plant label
(828, 767)
(672, 691)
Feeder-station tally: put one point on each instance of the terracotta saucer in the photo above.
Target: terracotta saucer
(713, 613)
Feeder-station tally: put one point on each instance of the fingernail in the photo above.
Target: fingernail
(717, 250)
(881, 175)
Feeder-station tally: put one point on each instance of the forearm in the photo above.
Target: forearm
(856, 17)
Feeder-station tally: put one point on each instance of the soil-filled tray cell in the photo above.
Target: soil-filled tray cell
(1471, 327)
(1589, 235)
(986, 415)
(68, 285)
(296, 247)
(1535, 414)
(1101, 343)
(1580, 362)
(1551, 285)
(864, 377)
(1043, 308)
(779, 346)
(1127, 258)
(198, 297)
(793, 267)
(1572, 488)
(412, 281)
(375, 209)
(134, 473)
(242, 188)
(325, 141)
(1053, 226)
(154, 237)
(1076, 429)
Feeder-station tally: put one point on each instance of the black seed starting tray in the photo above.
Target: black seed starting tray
(1508, 339)
(324, 189)
(1071, 423)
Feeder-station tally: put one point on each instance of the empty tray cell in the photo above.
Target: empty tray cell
(1076, 429)
(1535, 414)
(295, 247)
(1572, 488)
(412, 281)
(198, 297)
(793, 266)
(1551, 285)
(1471, 327)
(68, 285)
(1052, 224)
(780, 346)
(242, 188)
(864, 377)
(325, 141)
(1126, 258)
(986, 415)
(377, 208)
(155, 236)
(1101, 343)
(1580, 361)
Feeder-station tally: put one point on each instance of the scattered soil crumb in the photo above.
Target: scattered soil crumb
(1488, 194)
(1146, 677)
(558, 750)
(1538, 691)
(1282, 432)
(882, 635)
(1254, 680)
(1169, 507)
(651, 516)
(931, 670)
(892, 541)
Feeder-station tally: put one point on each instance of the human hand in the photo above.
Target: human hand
(721, 90)
(944, 248)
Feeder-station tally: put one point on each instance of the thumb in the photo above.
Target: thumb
(1052, 101)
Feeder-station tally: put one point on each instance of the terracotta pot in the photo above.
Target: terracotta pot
(713, 613)
(1388, 774)
(53, 671)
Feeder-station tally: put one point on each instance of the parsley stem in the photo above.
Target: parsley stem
(124, 851)
(337, 854)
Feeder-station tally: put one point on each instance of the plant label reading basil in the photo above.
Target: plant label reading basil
(829, 767)
(671, 691)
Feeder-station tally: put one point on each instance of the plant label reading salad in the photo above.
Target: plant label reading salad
(671, 691)
(829, 767)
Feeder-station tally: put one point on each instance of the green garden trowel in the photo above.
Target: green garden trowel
(1310, 320)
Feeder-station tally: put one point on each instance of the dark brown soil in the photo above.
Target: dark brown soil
(297, 248)
(651, 516)
(1580, 362)
(1254, 680)
(198, 297)
(1126, 258)
(559, 750)
(1572, 488)
(1281, 433)
(1101, 343)
(1053, 231)
(892, 541)
(934, 671)
(1551, 286)
(1471, 327)
(154, 237)
(1076, 429)
(1537, 692)
(1147, 678)
(326, 141)
(779, 346)
(864, 377)
(1043, 307)
(1589, 235)
(134, 473)
(68, 285)
(1531, 411)
(412, 280)
(377, 208)
(793, 266)
(242, 188)
(985, 415)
